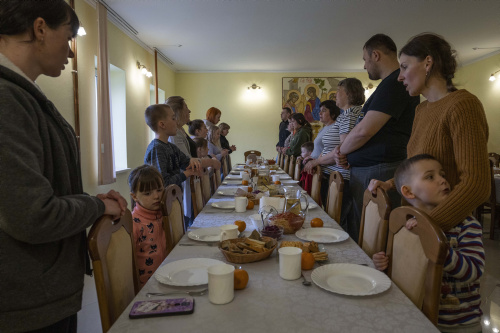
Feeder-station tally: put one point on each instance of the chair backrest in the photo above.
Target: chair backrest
(216, 180)
(196, 194)
(495, 158)
(298, 168)
(206, 185)
(111, 248)
(291, 166)
(173, 216)
(333, 204)
(251, 157)
(374, 222)
(281, 160)
(316, 185)
(286, 163)
(229, 164)
(254, 152)
(416, 258)
(225, 170)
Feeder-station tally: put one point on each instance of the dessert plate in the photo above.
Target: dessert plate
(224, 204)
(211, 234)
(231, 182)
(187, 272)
(228, 191)
(322, 235)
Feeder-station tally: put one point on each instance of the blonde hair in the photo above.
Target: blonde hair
(211, 134)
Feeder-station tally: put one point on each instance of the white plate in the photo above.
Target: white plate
(229, 191)
(322, 235)
(350, 279)
(205, 234)
(231, 182)
(233, 177)
(280, 171)
(284, 177)
(312, 205)
(223, 204)
(289, 181)
(187, 272)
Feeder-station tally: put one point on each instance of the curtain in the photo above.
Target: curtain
(106, 166)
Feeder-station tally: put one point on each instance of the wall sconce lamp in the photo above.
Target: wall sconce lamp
(492, 76)
(370, 86)
(254, 86)
(81, 31)
(144, 70)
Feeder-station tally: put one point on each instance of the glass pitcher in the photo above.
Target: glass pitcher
(293, 201)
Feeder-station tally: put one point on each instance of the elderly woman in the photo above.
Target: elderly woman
(213, 117)
(44, 212)
(450, 125)
(303, 133)
(197, 129)
(224, 131)
(327, 115)
(214, 147)
(350, 96)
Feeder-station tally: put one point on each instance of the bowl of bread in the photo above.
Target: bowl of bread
(248, 249)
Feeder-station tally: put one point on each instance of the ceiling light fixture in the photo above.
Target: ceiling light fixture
(485, 48)
(144, 70)
(81, 31)
(254, 86)
(492, 76)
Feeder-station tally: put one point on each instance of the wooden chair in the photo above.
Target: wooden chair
(216, 180)
(229, 164)
(286, 163)
(316, 185)
(298, 169)
(196, 194)
(281, 160)
(173, 216)
(374, 222)
(291, 166)
(493, 205)
(111, 248)
(255, 152)
(416, 259)
(252, 157)
(225, 170)
(206, 185)
(333, 204)
(495, 158)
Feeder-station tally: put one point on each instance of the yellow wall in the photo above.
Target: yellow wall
(253, 115)
(123, 53)
(475, 78)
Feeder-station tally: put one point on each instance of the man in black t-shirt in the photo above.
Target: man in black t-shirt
(377, 144)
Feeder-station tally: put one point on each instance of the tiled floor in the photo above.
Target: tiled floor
(90, 322)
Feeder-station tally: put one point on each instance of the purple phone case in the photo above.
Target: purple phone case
(162, 307)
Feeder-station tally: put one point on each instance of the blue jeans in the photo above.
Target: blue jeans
(360, 179)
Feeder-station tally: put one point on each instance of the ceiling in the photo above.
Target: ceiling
(302, 35)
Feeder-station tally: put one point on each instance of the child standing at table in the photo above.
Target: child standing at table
(421, 181)
(146, 189)
(305, 178)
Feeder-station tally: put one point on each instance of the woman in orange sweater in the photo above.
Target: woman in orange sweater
(450, 125)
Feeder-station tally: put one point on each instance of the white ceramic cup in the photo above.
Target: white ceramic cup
(276, 178)
(241, 204)
(228, 231)
(220, 283)
(290, 262)
(244, 188)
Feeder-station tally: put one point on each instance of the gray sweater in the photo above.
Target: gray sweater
(43, 210)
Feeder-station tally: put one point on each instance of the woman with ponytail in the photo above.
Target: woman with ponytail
(450, 125)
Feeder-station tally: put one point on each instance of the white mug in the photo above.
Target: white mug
(229, 231)
(241, 204)
(276, 178)
(290, 262)
(220, 283)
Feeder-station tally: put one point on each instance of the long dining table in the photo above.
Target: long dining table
(272, 304)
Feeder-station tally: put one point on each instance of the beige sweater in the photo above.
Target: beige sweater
(454, 130)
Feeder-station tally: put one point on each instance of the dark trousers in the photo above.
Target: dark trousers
(360, 179)
(67, 325)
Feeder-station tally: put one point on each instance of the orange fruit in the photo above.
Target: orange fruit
(316, 222)
(250, 204)
(277, 182)
(250, 189)
(240, 279)
(244, 182)
(307, 261)
(241, 225)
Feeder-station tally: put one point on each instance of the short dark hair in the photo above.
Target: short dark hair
(382, 43)
(287, 109)
(403, 172)
(300, 119)
(145, 178)
(332, 107)
(354, 90)
(195, 125)
(154, 113)
(309, 146)
(443, 56)
(17, 16)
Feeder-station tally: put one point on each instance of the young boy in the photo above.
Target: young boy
(421, 181)
(305, 178)
(173, 164)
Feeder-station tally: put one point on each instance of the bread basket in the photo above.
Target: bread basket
(239, 258)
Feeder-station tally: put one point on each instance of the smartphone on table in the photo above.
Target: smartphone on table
(162, 307)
